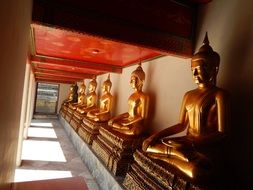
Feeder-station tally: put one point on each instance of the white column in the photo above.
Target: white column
(23, 114)
(32, 101)
(29, 105)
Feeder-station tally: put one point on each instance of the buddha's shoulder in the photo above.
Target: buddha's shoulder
(141, 94)
(190, 92)
(220, 92)
(93, 94)
(106, 96)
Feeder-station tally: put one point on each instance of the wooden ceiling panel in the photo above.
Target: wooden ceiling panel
(54, 81)
(73, 64)
(55, 78)
(50, 72)
(162, 25)
(71, 39)
(69, 45)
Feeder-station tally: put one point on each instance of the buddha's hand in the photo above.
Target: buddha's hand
(110, 122)
(149, 142)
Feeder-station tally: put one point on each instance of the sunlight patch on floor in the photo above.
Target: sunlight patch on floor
(32, 175)
(41, 132)
(43, 151)
(41, 124)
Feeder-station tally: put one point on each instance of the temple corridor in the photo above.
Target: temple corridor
(134, 95)
(49, 154)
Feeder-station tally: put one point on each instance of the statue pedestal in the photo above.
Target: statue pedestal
(146, 173)
(64, 110)
(76, 120)
(69, 114)
(116, 149)
(103, 177)
(89, 129)
(61, 112)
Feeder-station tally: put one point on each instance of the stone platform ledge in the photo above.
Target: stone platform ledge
(105, 179)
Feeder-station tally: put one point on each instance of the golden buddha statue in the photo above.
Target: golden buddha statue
(103, 113)
(97, 117)
(122, 135)
(81, 98)
(70, 96)
(91, 98)
(131, 122)
(205, 114)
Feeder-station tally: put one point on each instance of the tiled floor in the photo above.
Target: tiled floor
(52, 184)
(48, 154)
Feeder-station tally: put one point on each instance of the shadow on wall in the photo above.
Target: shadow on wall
(114, 102)
(115, 78)
(230, 28)
(99, 89)
(151, 112)
(240, 83)
(152, 99)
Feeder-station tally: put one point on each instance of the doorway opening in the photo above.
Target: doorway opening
(46, 98)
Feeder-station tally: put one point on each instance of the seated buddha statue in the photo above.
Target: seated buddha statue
(103, 113)
(131, 122)
(73, 95)
(81, 98)
(91, 98)
(97, 117)
(70, 96)
(205, 115)
(123, 134)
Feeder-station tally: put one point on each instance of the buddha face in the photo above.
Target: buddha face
(202, 74)
(82, 89)
(135, 82)
(105, 88)
(71, 88)
(91, 88)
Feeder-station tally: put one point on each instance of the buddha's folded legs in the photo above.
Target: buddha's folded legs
(200, 165)
(133, 129)
(164, 150)
(186, 167)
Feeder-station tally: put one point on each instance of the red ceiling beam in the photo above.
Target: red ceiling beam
(75, 63)
(39, 76)
(53, 72)
(57, 75)
(66, 68)
(53, 81)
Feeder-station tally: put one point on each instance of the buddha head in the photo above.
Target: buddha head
(82, 88)
(205, 64)
(93, 84)
(71, 92)
(137, 78)
(71, 89)
(106, 87)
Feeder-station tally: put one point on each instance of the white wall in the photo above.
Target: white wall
(23, 114)
(15, 18)
(230, 27)
(30, 103)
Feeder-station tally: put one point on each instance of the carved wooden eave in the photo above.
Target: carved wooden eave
(148, 28)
